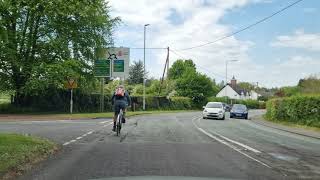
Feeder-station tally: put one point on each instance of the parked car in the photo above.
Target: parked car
(226, 107)
(214, 110)
(239, 110)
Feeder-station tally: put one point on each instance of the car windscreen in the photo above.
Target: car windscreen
(239, 107)
(214, 105)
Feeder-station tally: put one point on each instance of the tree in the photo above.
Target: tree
(310, 85)
(194, 85)
(136, 73)
(247, 86)
(38, 37)
(179, 68)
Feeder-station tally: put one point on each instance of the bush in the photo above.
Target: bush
(304, 110)
(59, 101)
(252, 104)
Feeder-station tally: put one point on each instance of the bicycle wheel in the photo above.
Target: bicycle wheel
(118, 129)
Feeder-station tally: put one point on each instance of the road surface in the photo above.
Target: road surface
(181, 144)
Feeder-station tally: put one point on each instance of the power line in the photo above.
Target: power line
(147, 48)
(245, 28)
(201, 67)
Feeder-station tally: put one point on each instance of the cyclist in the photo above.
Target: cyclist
(121, 100)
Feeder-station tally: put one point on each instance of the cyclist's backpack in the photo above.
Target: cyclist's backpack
(119, 92)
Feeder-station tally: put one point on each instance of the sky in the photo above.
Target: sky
(277, 52)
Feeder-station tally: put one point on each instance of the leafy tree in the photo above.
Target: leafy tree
(310, 85)
(246, 85)
(136, 73)
(180, 67)
(194, 85)
(40, 40)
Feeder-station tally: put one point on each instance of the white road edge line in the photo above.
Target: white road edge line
(80, 137)
(236, 142)
(227, 144)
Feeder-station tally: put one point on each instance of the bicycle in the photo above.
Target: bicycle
(119, 122)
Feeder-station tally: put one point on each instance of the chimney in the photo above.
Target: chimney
(233, 82)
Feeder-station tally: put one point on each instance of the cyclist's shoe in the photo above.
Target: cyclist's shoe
(114, 128)
(123, 120)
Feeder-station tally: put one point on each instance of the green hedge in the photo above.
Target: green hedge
(252, 104)
(304, 110)
(58, 101)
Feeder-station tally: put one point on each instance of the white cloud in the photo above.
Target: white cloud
(200, 23)
(299, 39)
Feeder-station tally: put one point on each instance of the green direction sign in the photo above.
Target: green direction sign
(118, 66)
(102, 68)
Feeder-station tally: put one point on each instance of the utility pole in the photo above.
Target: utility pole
(144, 66)
(166, 66)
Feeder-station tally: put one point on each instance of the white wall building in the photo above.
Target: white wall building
(233, 91)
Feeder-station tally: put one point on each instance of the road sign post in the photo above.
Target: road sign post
(110, 62)
(71, 84)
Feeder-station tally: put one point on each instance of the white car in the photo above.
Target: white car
(213, 110)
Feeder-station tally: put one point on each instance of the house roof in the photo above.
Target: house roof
(238, 89)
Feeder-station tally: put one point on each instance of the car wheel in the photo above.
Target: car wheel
(231, 116)
(204, 118)
(223, 118)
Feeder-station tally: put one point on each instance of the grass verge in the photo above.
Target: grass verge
(19, 152)
(294, 125)
(60, 116)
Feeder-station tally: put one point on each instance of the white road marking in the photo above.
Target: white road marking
(72, 141)
(90, 132)
(103, 122)
(236, 142)
(108, 124)
(80, 137)
(66, 143)
(227, 144)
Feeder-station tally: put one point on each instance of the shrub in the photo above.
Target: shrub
(304, 110)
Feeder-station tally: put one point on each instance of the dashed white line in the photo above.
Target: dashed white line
(72, 141)
(108, 124)
(66, 143)
(90, 132)
(78, 137)
(228, 144)
(103, 122)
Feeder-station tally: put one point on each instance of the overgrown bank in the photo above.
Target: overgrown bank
(303, 110)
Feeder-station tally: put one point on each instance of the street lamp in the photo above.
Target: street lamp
(144, 66)
(233, 60)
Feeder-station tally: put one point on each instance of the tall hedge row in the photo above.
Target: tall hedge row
(59, 102)
(304, 110)
(252, 104)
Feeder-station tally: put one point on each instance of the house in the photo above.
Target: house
(234, 91)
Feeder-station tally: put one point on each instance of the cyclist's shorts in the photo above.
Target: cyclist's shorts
(119, 105)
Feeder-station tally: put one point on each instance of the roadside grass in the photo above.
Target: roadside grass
(294, 125)
(66, 116)
(19, 152)
(110, 114)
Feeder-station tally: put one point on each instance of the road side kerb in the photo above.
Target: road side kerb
(258, 119)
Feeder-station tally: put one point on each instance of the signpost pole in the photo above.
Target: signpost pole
(71, 100)
(101, 95)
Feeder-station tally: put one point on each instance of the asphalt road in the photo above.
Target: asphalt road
(181, 144)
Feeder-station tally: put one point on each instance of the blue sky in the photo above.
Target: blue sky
(275, 53)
